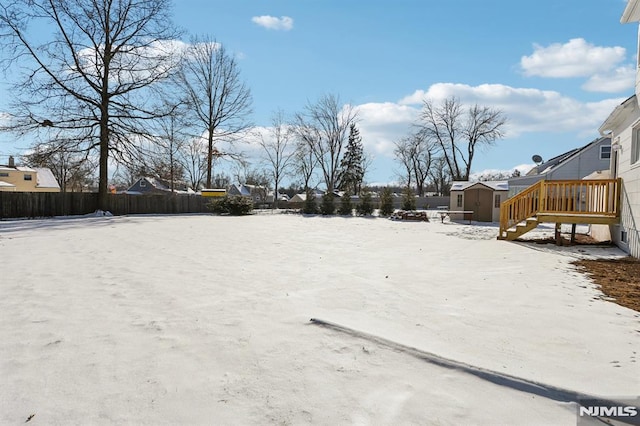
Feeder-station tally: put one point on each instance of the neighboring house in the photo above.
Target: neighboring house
(482, 198)
(26, 179)
(573, 165)
(150, 185)
(259, 194)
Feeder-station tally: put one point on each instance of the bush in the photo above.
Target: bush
(366, 205)
(386, 202)
(346, 207)
(408, 200)
(235, 205)
(310, 204)
(328, 207)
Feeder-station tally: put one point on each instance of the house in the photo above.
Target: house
(574, 164)
(259, 194)
(623, 127)
(483, 198)
(151, 185)
(26, 179)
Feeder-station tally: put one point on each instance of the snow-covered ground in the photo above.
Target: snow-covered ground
(206, 320)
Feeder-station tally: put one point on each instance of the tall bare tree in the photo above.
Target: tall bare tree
(459, 133)
(304, 164)
(194, 160)
(220, 102)
(324, 127)
(92, 78)
(278, 150)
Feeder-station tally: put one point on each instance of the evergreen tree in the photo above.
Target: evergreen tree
(408, 200)
(346, 207)
(386, 202)
(351, 169)
(366, 205)
(327, 207)
(310, 203)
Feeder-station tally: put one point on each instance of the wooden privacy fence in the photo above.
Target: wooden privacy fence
(48, 204)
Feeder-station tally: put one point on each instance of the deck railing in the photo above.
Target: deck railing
(599, 197)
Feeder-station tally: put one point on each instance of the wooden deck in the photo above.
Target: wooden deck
(560, 201)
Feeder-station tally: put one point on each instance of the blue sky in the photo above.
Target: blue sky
(556, 68)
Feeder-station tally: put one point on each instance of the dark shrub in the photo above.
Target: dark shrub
(386, 202)
(234, 205)
(346, 206)
(328, 206)
(408, 200)
(366, 205)
(310, 204)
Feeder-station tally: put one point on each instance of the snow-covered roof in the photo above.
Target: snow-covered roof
(497, 185)
(46, 179)
(4, 184)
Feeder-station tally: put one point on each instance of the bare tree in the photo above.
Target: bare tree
(92, 79)
(324, 127)
(459, 134)
(170, 141)
(439, 176)
(220, 103)
(278, 150)
(193, 157)
(304, 164)
(403, 154)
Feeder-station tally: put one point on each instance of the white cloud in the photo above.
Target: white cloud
(619, 80)
(528, 110)
(283, 23)
(576, 58)
(381, 124)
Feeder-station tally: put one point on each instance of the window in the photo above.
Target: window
(459, 201)
(635, 146)
(28, 177)
(623, 236)
(496, 201)
(4, 174)
(605, 152)
(143, 183)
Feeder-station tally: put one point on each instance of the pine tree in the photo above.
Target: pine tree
(328, 207)
(365, 208)
(386, 202)
(351, 172)
(346, 206)
(310, 203)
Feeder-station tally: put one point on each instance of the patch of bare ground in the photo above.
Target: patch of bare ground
(619, 279)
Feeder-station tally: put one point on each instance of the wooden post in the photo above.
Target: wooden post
(558, 235)
(573, 233)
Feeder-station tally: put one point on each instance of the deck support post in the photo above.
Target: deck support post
(573, 233)
(558, 234)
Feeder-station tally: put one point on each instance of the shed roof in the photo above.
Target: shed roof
(496, 185)
(46, 179)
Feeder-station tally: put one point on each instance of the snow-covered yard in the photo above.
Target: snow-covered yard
(206, 320)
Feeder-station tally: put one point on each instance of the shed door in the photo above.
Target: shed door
(480, 201)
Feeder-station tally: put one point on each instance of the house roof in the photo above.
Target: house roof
(496, 185)
(46, 179)
(6, 184)
(631, 12)
(555, 162)
(618, 115)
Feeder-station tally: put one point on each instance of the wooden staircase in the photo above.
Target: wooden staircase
(560, 201)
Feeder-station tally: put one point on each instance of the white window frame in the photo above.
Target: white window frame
(635, 145)
(605, 152)
(459, 200)
(496, 201)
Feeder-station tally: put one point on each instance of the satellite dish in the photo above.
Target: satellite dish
(537, 159)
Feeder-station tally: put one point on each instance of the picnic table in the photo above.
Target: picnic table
(467, 214)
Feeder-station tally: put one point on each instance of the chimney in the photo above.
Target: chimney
(11, 161)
